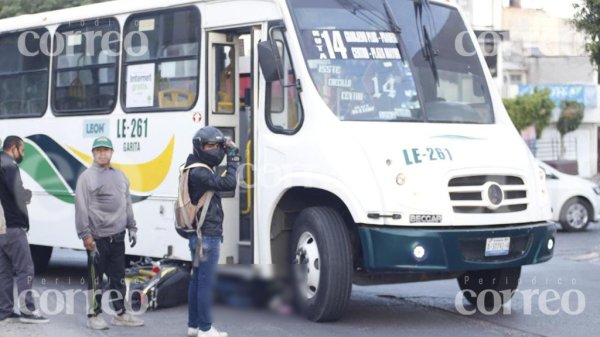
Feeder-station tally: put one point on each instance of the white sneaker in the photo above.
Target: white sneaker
(126, 319)
(192, 332)
(213, 332)
(97, 323)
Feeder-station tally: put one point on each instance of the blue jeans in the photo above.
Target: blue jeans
(200, 293)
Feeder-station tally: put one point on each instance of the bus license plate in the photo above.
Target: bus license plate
(497, 246)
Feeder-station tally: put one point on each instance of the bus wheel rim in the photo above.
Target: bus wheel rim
(309, 265)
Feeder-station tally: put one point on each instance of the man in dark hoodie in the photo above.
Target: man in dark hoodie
(15, 256)
(210, 148)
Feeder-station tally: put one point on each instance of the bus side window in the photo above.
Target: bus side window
(160, 68)
(24, 78)
(85, 70)
(284, 109)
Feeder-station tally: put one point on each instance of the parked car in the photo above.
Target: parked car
(575, 201)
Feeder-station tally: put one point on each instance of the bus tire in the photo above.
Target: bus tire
(321, 264)
(496, 283)
(41, 257)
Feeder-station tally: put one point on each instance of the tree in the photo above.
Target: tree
(10, 8)
(570, 118)
(533, 109)
(587, 20)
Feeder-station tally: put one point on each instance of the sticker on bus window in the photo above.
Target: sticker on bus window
(352, 96)
(146, 25)
(74, 39)
(140, 85)
(395, 114)
(339, 82)
(329, 69)
(362, 109)
(327, 44)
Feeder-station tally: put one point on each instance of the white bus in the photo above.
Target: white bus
(376, 150)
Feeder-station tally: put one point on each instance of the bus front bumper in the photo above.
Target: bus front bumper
(454, 249)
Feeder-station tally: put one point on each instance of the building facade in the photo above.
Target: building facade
(544, 50)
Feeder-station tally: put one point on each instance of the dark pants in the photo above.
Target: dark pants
(110, 260)
(15, 264)
(200, 293)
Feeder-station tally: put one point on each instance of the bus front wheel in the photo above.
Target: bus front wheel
(489, 288)
(321, 264)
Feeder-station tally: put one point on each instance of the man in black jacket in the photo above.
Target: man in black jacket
(15, 256)
(210, 148)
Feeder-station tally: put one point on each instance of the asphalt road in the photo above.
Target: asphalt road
(571, 278)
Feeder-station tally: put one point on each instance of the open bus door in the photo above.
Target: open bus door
(231, 94)
(223, 113)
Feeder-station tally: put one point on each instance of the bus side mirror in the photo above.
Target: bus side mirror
(270, 61)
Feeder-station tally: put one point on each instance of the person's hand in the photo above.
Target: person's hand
(89, 244)
(230, 148)
(28, 196)
(132, 238)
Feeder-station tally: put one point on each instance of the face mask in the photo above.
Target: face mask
(18, 157)
(212, 157)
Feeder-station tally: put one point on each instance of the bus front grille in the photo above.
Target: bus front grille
(487, 194)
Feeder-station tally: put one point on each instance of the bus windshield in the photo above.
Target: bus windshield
(412, 61)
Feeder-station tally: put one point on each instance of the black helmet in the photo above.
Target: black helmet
(206, 135)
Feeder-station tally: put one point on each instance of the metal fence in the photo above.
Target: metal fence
(550, 149)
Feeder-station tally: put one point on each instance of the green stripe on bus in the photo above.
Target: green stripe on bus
(38, 167)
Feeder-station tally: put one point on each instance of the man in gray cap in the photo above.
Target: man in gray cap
(103, 212)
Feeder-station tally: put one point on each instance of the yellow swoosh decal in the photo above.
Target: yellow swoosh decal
(144, 177)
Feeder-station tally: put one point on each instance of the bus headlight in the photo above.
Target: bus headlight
(542, 181)
(541, 174)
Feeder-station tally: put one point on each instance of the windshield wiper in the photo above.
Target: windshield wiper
(429, 50)
(395, 28)
(355, 8)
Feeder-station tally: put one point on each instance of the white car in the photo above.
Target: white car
(575, 201)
